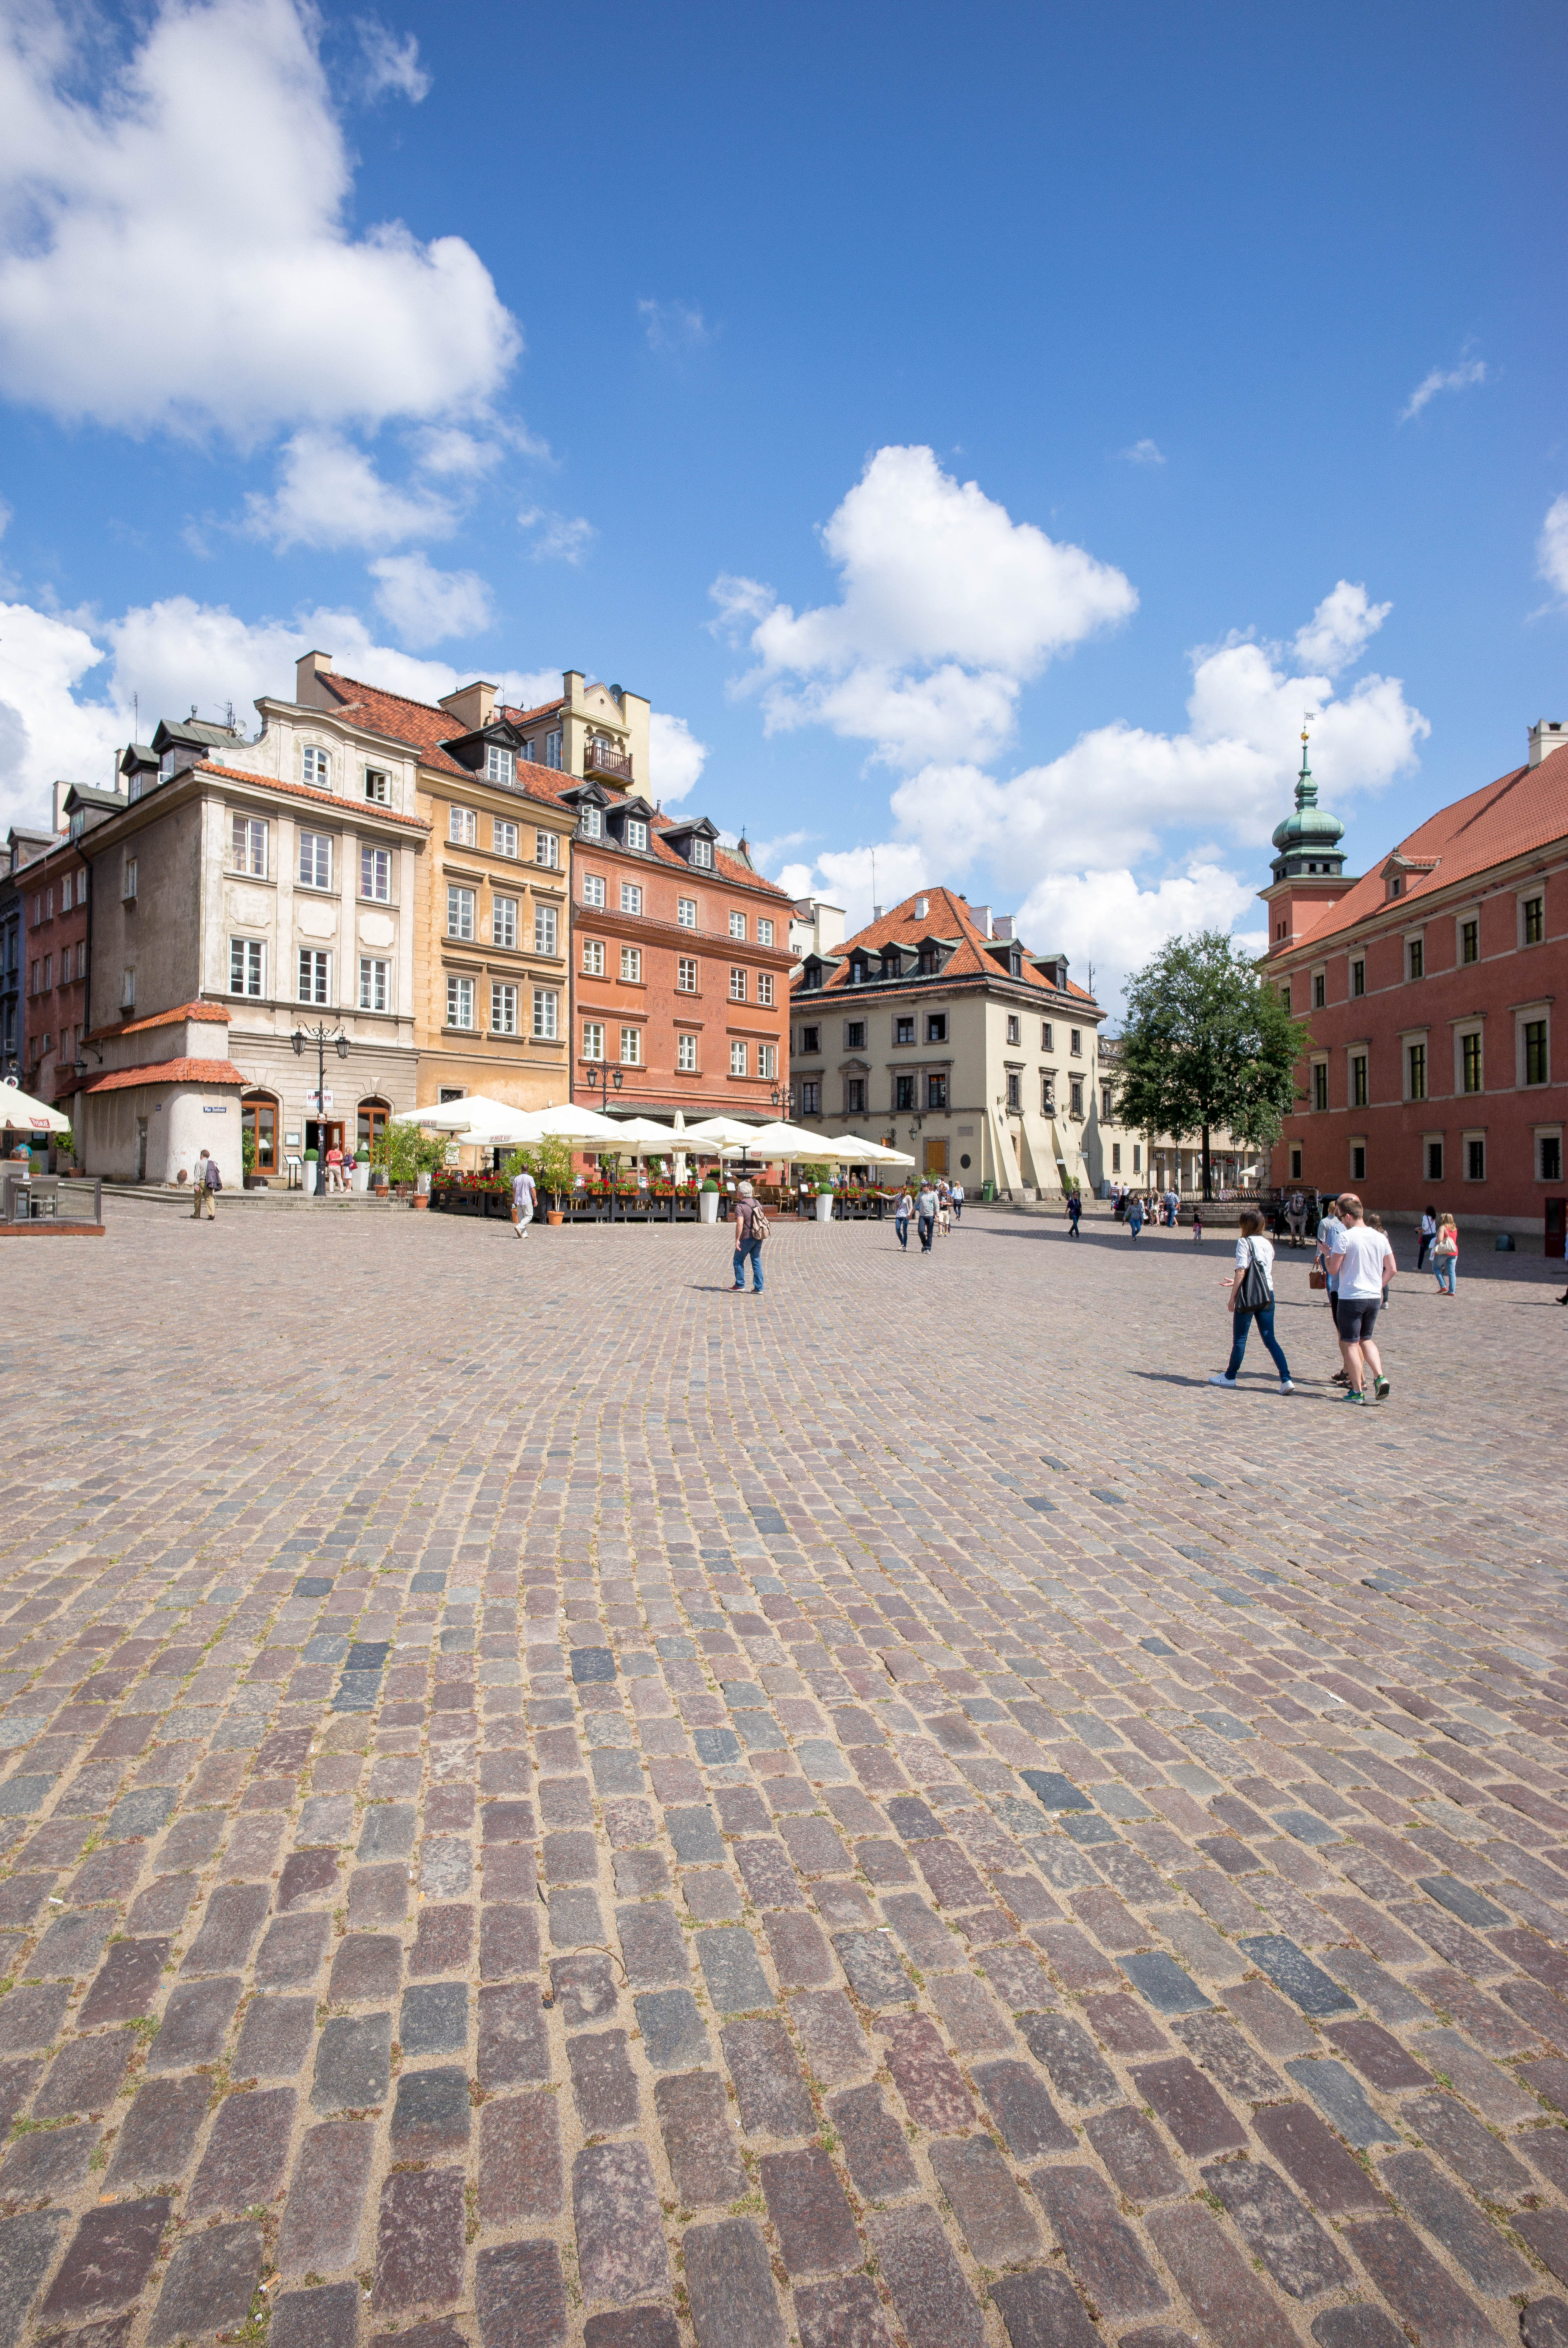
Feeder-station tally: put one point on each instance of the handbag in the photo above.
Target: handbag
(1317, 1277)
(1254, 1294)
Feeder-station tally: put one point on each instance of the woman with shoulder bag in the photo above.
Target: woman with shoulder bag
(1252, 1299)
(1445, 1255)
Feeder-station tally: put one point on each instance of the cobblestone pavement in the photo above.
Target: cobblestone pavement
(544, 1801)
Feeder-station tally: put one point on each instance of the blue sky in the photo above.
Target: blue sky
(979, 433)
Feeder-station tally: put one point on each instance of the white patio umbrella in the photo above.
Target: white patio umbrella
(787, 1142)
(716, 1133)
(475, 1110)
(584, 1126)
(875, 1153)
(645, 1133)
(21, 1113)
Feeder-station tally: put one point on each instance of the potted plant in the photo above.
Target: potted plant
(708, 1200)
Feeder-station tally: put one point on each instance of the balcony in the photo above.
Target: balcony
(603, 756)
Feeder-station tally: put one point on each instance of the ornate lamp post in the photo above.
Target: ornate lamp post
(783, 1097)
(321, 1035)
(606, 1076)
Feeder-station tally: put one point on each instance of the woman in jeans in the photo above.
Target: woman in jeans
(1252, 1248)
(1445, 1255)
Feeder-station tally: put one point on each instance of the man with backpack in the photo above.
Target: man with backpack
(751, 1231)
(208, 1182)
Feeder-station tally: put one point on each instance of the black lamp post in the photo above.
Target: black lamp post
(782, 1099)
(321, 1035)
(606, 1076)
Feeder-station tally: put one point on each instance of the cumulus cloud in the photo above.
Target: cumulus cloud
(1552, 546)
(1340, 629)
(1108, 922)
(947, 607)
(175, 249)
(673, 328)
(425, 604)
(1144, 452)
(558, 538)
(330, 494)
(390, 67)
(1454, 378)
(675, 756)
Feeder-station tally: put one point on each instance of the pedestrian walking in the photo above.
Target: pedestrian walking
(1359, 1265)
(1330, 1232)
(1251, 1299)
(208, 1182)
(943, 1210)
(751, 1231)
(926, 1215)
(335, 1169)
(1445, 1255)
(1197, 1223)
(901, 1214)
(1428, 1233)
(1296, 1216)
(524, 1200)
(1135, 1217)
(1074, 1213)
(958, 1202)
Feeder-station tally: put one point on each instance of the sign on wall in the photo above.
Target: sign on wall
(314, 1100)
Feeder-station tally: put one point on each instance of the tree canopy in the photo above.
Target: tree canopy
(1207, 1042)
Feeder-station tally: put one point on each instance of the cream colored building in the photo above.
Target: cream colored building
(935, 1028)
(1121, 1157)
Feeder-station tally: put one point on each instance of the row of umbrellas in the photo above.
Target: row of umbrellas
(482, 1124)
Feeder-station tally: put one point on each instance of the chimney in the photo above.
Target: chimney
(1547, 734)
(1002, 925)
(62, 821)
(922, 906)
(876, 912)
(473, 706)
(981, 915)
(308, 668)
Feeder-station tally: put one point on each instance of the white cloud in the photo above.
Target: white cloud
(390, 64)
(673, 327)
(174, 242)
(882, 873)
(557, 539)
(1552, 546)
(1454, 378)
(1144, 452)
(1340, 629)
(330, 494)
(947, 608)
(425, 604)
(675, 757)
(739, 600)
(1108, 922)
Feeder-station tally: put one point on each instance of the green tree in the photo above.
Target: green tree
(1207, 1042)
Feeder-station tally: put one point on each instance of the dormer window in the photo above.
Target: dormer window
(376, 786)
(702, 854)
(1396, 884)
(857, 973)
(636, 833)
(317, 769)
(590, 823)
(500, 766)
(552, 749)
(170, 762)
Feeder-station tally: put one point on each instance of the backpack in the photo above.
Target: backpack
(759, 1221)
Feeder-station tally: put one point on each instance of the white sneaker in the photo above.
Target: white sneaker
(1288, 1385)
(1218, 1378)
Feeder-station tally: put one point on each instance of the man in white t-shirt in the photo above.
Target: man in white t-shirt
(1363, 1264)
(524, 1198)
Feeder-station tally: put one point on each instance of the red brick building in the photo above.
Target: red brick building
(1437, 1066)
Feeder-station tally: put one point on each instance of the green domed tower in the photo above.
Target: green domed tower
(1309, 840)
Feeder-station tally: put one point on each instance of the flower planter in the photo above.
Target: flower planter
(825, 1207)
(708, 1206)
(554, 1215)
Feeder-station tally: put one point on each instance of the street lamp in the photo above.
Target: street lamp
(606, 1076)
(321, 1035)
(783, 1097)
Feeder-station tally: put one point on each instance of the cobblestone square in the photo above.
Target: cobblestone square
(542, 1800)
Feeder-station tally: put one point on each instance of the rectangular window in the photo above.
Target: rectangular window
(1105, 1102)
(1469, 1064)
(504, 922)
(1284, 994)
(503, 838)
(1534, 920)
(686, 974)
(1550, 1157)
(1434, 1162)
(589, 822)
(631, 1047)
(313, 975)
(460, 1003)
(702, 854)
(48, 971)
(593, 957)
(630, 897)
(765, 987)
(1046, 1033)
(811, 1039)
(1075, 1039)
(315, 866)
(936, 1027)
(903, 1031)
(66, 894)
(632, 965)
(635, 834)
(592, 1040)
(1015, 1089)
(317, 769)
(248, 846)
(459, 912)
(552, 749)
(128, 990)
(1470, 941)
(500, 765)
(737, 984)
(463, 827)
(1320, 991)
(1320, 1084)
(1535, 1069)
(1137, 1157)
(1475, 1159)
(855, 1034)
(1012, 1031)
(547, 930)
(246, 963)
(1358, 1079)
(374, 987)
(1358, 1161)
(1048, 1092)
(1077, 1096)
(936, 1092)
(66, 967)
(1357, 978)
(81, 888)
(1116, 1158)
(547, 850)
(1415, 1060)
(767, 1060)
(811, 1098)
(593, 889)
(686, 913)
(375, 874)
(737, 925)
(547, 1014)
(764, 933)
(686, 1054)
(503, 1008)
(1415, 958)
(854, 1096)
(904, 1092)
(127, 878)
(377, 787)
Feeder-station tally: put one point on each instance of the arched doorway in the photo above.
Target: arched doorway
(372, 1116)
(259, 1118)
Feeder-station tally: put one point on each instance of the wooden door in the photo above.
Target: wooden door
(1557, 1227)
(936, 1159)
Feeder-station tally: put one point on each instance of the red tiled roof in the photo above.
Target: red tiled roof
(307, 791)
(1524, 809)
(948, 917)
(167, 1072)
(214, 1010)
